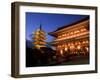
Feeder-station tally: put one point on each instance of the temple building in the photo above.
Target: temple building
(72, 38)
(39, 38)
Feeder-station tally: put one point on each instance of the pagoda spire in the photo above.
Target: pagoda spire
(40, 27)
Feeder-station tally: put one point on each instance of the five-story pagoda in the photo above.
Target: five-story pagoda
(39, 38)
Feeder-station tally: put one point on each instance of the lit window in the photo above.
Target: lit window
(78, 31)
(83, 42)
(71, 33)
(61, 52)
(68, 44)
(78, 47)
(86, 41)
(75, 32)
(66, 48)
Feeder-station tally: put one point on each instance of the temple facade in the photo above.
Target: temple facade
(73, 38)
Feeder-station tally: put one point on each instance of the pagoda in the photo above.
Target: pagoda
(39, 38)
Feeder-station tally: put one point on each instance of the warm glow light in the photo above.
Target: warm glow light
(83, 29)
(87, 49)
(63, 35)
(86, 41)
(75, 31)
(78, 31)
(83, 42)
(79, 47)
(63, 45)
(72, 47)
(61, 52)
(68, 44)
(71, 33)
(66, 48)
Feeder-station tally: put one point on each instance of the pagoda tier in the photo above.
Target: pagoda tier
(39, 37)
(40, 30)
(39, 43)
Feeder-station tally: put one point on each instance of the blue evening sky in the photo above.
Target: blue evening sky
(49, 22)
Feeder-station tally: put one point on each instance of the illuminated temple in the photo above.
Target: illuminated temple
(73, 38)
